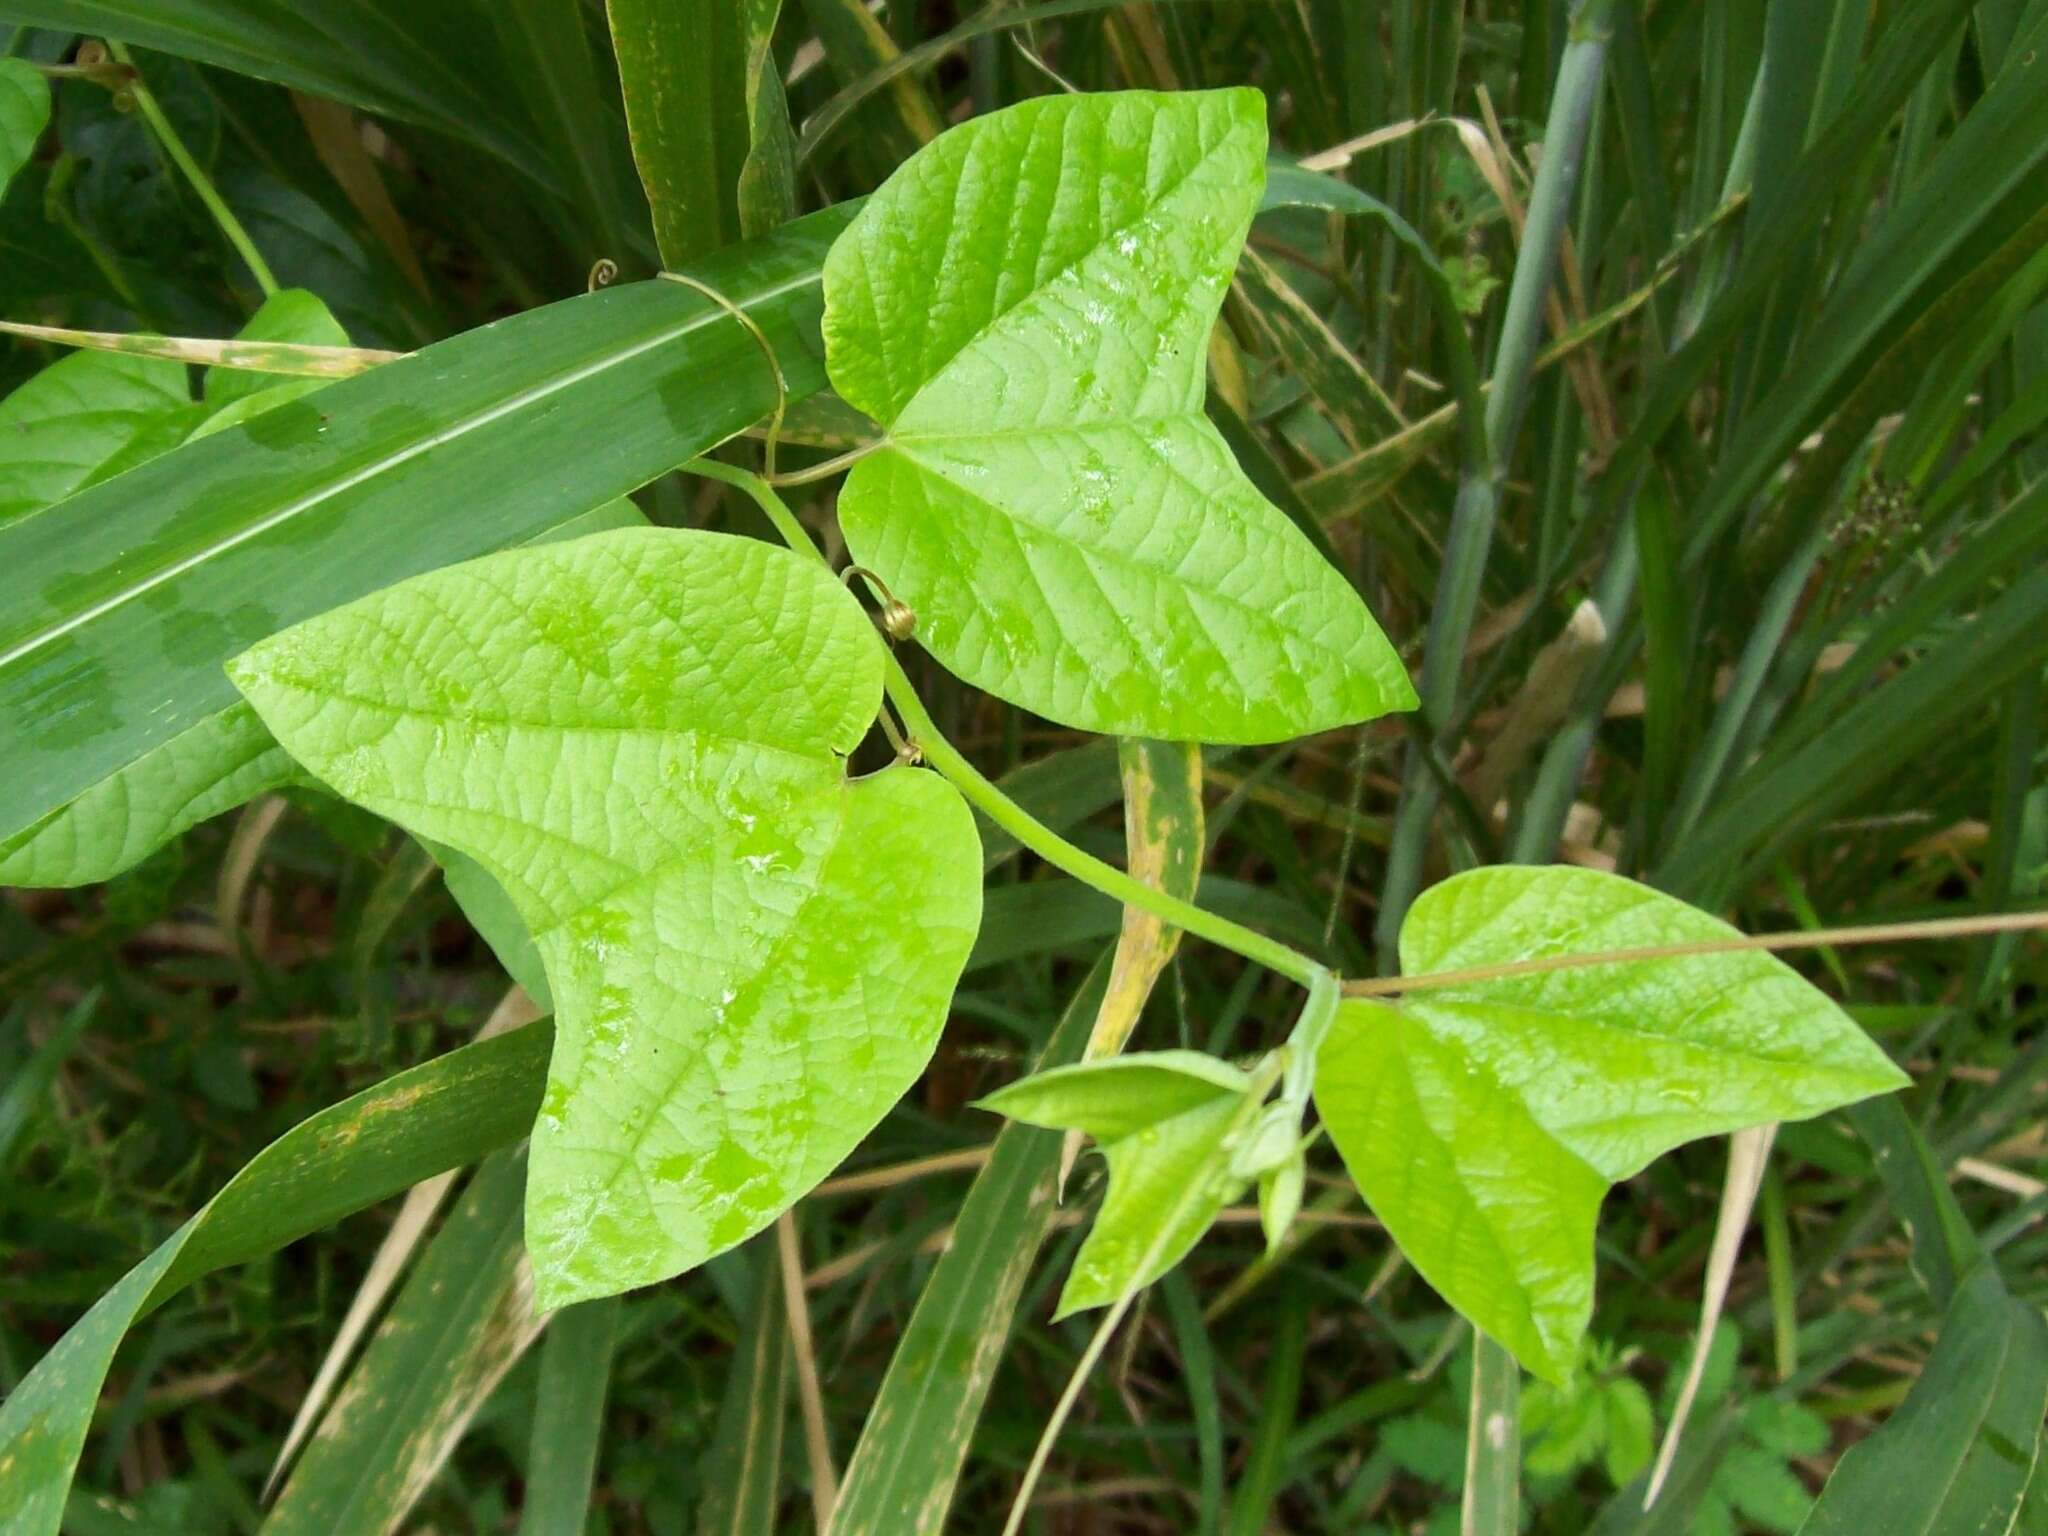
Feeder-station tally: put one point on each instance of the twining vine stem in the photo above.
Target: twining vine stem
(1009, 815)
(166, 135)
(1271, 953)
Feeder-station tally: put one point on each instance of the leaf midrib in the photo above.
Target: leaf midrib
(1261, 617)
(995, 321)
(510, 405)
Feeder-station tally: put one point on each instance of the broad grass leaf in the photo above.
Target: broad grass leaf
(708, 120)
(1484, 1122)
(641, 736)
(1957, 1455)
(1025, 306)
(411, 1127)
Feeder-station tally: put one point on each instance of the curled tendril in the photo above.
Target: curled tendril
(760, 336)
(603, 273)
(897, 618)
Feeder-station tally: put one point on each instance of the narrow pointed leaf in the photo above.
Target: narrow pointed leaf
(1025, 306)
(641, 735)
(1118, 1097)
(709, 124)
(1166, 1184)
(1956, 1456)
(365, 1149)
(1485, 1121)
(1159, 1118)
(24, 113)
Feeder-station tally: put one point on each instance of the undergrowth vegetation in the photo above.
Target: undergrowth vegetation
(1601, 436)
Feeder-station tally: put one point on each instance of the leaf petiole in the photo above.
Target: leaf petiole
(1012, 817)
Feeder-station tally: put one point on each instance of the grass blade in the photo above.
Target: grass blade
(363, 1150)
(463, 1320)
(1954, 1459)
(900, 1480)
(568, 1418)
(747, 1451)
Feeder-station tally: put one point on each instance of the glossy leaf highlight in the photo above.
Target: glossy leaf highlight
(1484, 1122)
(640, 735)
(1025, 306)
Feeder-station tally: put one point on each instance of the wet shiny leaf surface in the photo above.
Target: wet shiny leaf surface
(640, 735)
(1484, 1122)
(1026, 306)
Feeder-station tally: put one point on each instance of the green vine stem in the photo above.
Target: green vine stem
(160, 125)
(1009, 815)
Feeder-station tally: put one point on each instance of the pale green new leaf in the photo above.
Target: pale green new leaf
(1484, 1122)
(226, 760)
(1025, 306)
(640, 735)
(24, 113)
(82, 420)
(292, 315)
(1159, 1119)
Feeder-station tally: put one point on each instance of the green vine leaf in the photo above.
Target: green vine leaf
(1025, 306)
(84, 419)
(24, 113)
(1484, 1122)
(1159, 1119)
(641, 736)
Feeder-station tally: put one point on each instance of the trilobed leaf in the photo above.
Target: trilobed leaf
(1025, 306)
(1484, 1122)
(641, 736)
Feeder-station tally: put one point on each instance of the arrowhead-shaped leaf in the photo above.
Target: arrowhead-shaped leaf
(640, 735)
(1159, 1119)
(1485, 1121)
(1025, 306)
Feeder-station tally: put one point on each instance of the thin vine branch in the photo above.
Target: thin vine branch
(1004, 811)
(1817, 938)
(166, 135)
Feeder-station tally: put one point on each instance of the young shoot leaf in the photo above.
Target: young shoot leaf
(1160, 1119)
(1025, 306)
(640, 735)
(1484, 1122)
